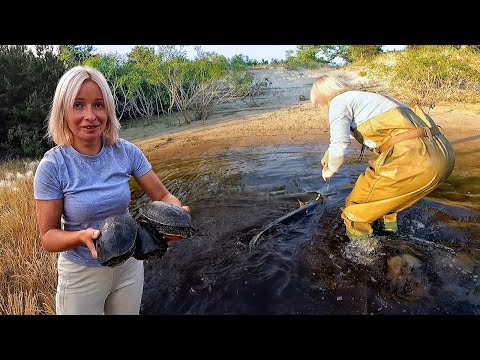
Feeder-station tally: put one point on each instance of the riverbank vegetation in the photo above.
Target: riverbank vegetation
(152, 82)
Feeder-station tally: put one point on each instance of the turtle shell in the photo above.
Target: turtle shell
(167, 218)
(149, 243)
(116, 242)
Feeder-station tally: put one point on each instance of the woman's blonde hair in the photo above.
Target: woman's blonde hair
(325, 87)
(67, 89)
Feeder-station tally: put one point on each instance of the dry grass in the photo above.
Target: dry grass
(27, 272)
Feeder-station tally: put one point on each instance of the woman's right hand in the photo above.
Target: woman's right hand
(327, 173)
(324, 160)
(88, 236)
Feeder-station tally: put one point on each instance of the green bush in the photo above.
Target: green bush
(429, 74)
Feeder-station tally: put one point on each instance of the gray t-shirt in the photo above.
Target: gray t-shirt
(92, 187)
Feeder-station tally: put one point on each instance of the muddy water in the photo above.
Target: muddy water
(306, 265)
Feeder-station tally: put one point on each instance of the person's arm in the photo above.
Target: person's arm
(53, 238)
(154, 188)
(147, 179)
(49, 209)
(340, 120)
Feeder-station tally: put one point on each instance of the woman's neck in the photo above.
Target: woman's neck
(88, 148)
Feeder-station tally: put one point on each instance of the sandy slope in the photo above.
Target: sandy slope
(284, 115)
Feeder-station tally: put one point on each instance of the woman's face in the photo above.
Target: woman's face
(88, 116)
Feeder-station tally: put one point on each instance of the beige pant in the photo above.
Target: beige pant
(83, 290)
(400, 176)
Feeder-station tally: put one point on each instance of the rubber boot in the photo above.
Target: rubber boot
(388, 223)
(357, 230)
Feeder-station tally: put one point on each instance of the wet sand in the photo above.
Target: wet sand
(298, 124)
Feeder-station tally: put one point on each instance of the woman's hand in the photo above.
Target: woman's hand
(326, 173)
(88, 236)
(324, 160)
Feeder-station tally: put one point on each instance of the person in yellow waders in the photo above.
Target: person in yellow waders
(414, 156)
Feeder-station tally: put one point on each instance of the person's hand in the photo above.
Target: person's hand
(88, 236)
(327, 173)
(186, 208)
(324, 160)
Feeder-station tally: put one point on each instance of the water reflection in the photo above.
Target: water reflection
(308, 266)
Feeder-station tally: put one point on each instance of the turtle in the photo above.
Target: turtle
(166, 218)
(149, 243)
(116, 242)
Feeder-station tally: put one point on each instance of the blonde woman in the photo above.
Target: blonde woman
(80, 182)
(414, 157)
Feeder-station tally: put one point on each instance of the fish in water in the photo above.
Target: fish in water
(305, 209)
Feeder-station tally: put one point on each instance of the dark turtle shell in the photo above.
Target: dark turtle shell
(149, 243)
(167, 218)
(116, 242)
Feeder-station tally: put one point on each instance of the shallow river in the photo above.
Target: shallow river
(307, 265)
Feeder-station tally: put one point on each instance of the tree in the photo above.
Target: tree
(359, 52)
(27, 85)
(73, 55)
(322, 54)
